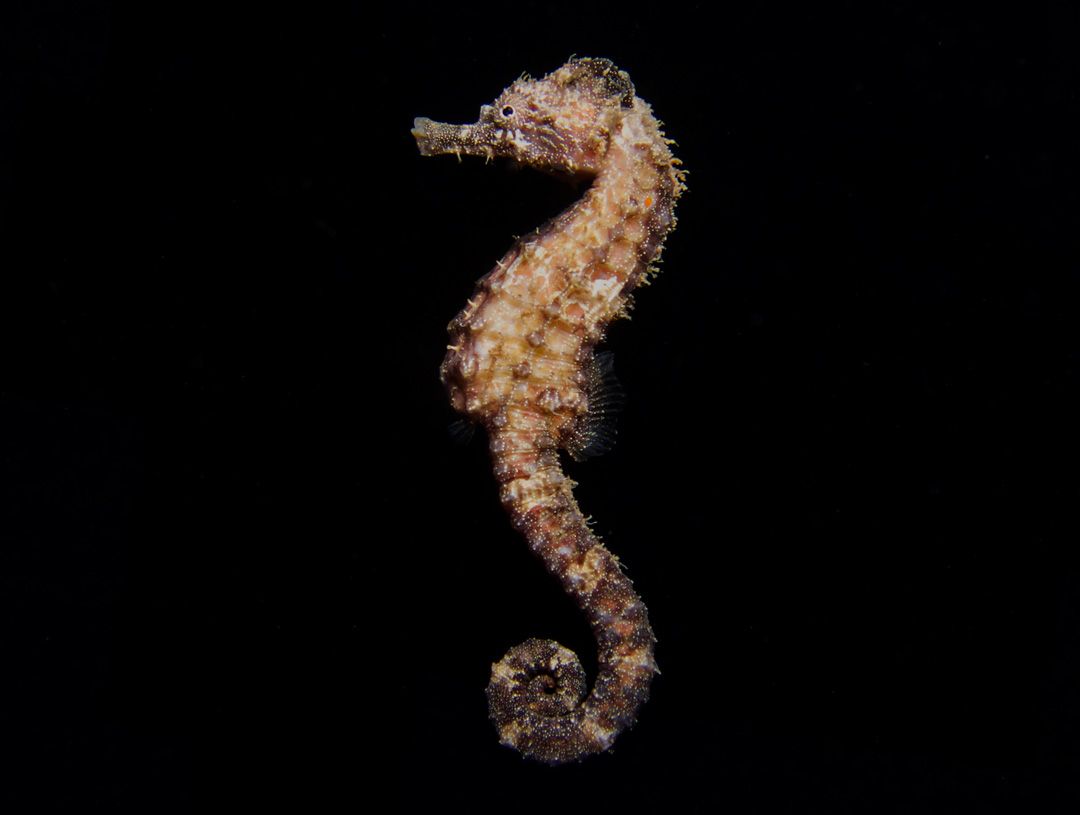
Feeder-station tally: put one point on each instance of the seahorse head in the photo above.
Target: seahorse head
(558, 124)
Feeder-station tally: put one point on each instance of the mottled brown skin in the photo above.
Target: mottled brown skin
(520, 363)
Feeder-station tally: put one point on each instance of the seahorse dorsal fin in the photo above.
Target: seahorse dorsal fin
(595, 431)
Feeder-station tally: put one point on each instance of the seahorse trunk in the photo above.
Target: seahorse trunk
(521, 363)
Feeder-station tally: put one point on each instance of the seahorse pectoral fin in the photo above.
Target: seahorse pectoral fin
(594, 431)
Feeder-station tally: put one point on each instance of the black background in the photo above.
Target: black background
(242, 565)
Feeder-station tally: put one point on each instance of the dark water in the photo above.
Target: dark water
(242, 566)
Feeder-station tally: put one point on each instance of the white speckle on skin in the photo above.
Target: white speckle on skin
(519, 141)
(603, 288)
(600, 735)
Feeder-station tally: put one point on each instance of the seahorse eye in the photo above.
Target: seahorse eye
(507, 111)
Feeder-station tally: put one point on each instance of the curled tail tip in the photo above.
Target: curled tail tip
(537, 702)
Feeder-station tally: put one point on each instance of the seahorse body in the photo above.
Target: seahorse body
(521, 363)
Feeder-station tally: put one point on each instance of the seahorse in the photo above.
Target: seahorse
(522, 363)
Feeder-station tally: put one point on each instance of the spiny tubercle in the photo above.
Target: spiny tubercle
(519, 363)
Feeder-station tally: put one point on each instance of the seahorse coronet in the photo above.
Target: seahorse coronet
(521, 362)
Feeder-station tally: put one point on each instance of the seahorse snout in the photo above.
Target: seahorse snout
(438, 138)
(421, 128)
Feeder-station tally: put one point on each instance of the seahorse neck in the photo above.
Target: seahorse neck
(636, 164)
(612, 235)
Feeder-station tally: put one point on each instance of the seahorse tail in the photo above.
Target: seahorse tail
(536, 695)
(535, 701)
